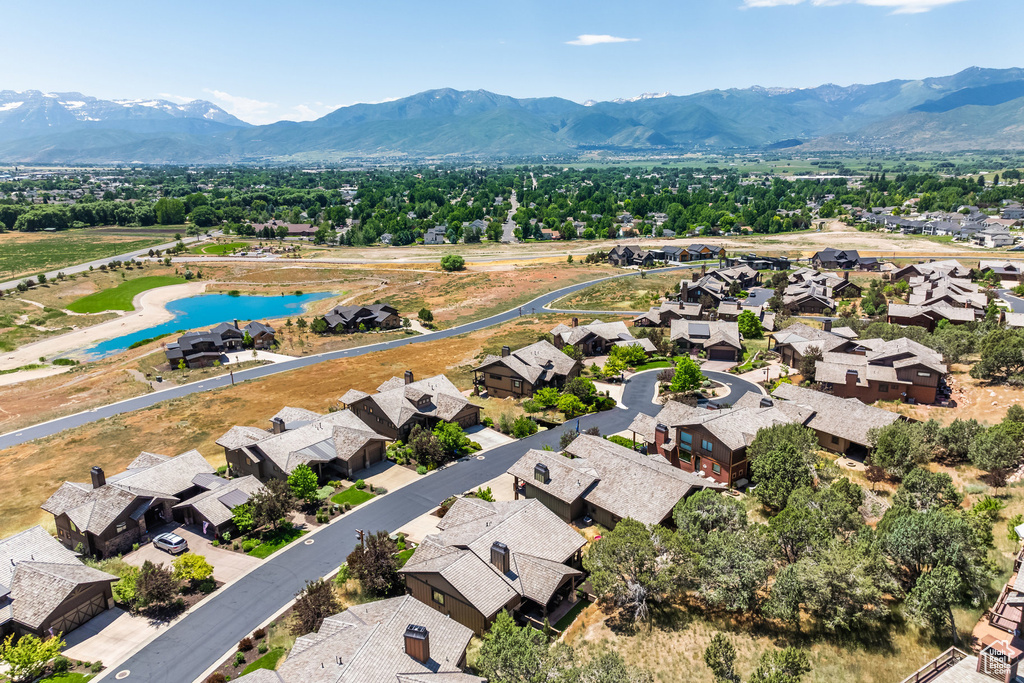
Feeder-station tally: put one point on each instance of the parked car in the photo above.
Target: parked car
(172, 543)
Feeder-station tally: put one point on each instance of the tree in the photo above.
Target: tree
(732, 569)
(768, 439)
(749, 325)
(932, 601)
(607, 667)
(303, 483)
(629, 354)
(425, 315)
(314, 603)
(242, 518)
(512, 654)
(957, 437)
(781, 666)
(375, 564)
(923, 490)
(581, 388)
(720, 657)
(203, 216)
(571, 406)
(807, 365)
(272, 503)
(631, 566)
(899, 447)
(997, 447)
(451, 437)
(688, 376)
(191, 567)
(707, 511)
(425, 446)
(452, 262)
(572, 352)
(778, 473)
(1002, 356)
(27, 657)
(156, 584)
(169, 211)
(546, 397)
(319, 325)
(873, 301)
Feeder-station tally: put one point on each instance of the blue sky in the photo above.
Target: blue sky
(265, 61)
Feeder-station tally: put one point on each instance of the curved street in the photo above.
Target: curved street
(188, 648)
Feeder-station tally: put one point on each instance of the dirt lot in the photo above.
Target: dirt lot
(975, 399)
(197, 421)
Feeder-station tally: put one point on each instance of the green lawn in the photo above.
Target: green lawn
(275, 540)
(404, 556)
(570, 616)
(219, 249)
(66, 678)
(351, 495)
(120, 298)
(26, 254)
(267, 661)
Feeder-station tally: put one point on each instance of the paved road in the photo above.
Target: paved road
(98, 262)
(187, 649)
(71, 421)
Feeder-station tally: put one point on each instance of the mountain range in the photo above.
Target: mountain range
(974, 109)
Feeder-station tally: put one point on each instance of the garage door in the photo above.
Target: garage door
(79, 615)
(721, 354)
(374, 453)
(469, 420)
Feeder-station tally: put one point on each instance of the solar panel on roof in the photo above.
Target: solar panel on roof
(700, 329)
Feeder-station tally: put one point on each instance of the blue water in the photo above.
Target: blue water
(207, 310)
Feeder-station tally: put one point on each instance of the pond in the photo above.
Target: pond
(208, 310)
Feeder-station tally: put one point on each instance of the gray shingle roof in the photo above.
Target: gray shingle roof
(216, 505)
(335, 435)
(537, 362)
(392, 397)
(847, 418)
(365, 644)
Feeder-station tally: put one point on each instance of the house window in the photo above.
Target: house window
(706, 445)
(496, 377)
(73, 527)
(517, 384)
(686, 442)
(835, 439)
(684, 456)
(716, 468)
(923, 374)
(437, 596)
(121, 527)
(883, 387)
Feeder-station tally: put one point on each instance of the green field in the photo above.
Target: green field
(351, 495)
(120, 298)
(219, 249)
(26, 254)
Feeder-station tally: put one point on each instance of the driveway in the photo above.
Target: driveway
(110, 636)
(227, 565)
(487, 438)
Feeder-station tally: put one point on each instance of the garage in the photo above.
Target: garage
(469, 420)
(374, 453)
(721, 354)
(94, 604)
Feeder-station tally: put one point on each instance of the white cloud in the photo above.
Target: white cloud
(180, 99)
(592, 39)
(897, 6)
(247, 109)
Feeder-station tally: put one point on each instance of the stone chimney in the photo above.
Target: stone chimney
(575, 322)
(499, 556)
(827, 325)
(846, 275)
(851, 378)
(98, 479)
(236, 323)
(277, 425)
(505, 352)
(417, 643)
(408, 376)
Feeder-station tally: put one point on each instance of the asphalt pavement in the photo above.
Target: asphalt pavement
(187, 649)
(128, 405)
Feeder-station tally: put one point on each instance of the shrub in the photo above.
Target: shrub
(245, 644)
(259, 633)
(61, 664)
(452, 262)
(262, 649)
(249, 544)
(239, 659)
(523, 427)
(96, 667)
(487, 422)
(361, 484)
(422, 469)
(216, 677)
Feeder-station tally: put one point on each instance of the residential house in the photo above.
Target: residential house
(993, 237)
(808, 298)
(520, 373)
(213, 509)
(935, 289)
(759, 262)
(843, 259)
(204, 347)
(997, 660)
(336, 445)
(928, 316)
(45, 588)
(700, 252)
(603, 481)
(901, 370)
(1004, 270)
(625, 255)
(841, 424)
(488, 557)
(107, 517)
(797, 340)
(742, 275)
(947, 267)
(361, 318)
(397, 640)
(663, 314)
(597, 338)
(434, 235)
(841, 287)
(719, 339)
(402, 403)
(675, 254)
(707, 289)
(729, 309)
(708, 443)
(1013, 212)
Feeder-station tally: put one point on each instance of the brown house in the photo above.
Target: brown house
(663, 315)
(521, 372)
(928, 316)
(213, 510)
(360, 318)
(402, 403)
(797, 340)
(398, 640)
(604, 481)
(106, 517)
(488, 557)
(336, 445)
(719, 339)
(597, 338)
(45, 588)
(901, 370)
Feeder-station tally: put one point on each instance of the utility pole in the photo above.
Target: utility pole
(359, 537)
